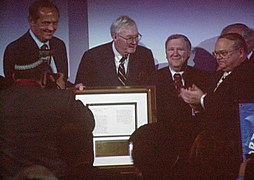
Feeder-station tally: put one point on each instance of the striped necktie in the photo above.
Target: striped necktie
(121, 71)
(178, 82)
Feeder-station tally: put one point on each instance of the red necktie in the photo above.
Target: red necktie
(178, 82)
(44, 46)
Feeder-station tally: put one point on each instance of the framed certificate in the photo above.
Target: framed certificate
(118, 112)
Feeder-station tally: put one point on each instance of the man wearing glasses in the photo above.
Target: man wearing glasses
(233, 80)
(121, 62)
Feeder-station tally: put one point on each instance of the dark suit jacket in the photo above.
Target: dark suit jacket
(97, 67)
(173, 112)
(25, 49)
(45, 127)
(221, 105)
(171, 108)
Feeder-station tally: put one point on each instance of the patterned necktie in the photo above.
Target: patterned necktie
(45, 53)
(44, 46)
(178, 82)
(121, 72)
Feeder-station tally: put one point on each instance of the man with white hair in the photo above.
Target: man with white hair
(101, 65)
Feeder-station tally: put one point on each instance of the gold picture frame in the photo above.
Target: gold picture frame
(118, 113)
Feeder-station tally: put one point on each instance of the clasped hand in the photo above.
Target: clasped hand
(192, 95)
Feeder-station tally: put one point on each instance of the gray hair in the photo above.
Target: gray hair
(122, 21)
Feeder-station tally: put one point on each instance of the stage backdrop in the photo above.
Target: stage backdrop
(85, 24)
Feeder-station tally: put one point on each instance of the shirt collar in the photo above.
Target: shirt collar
(118, 56)
(174, 72)
(37, 41)
(225, 74)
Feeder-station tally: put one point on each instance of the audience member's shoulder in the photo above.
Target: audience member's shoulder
(64, 93)
(35, 172)
(149, 132)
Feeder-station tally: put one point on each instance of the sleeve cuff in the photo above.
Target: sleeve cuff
(202, 101)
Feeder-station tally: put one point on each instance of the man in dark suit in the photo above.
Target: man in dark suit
(41, 126)
(170, 107)
(232, 82)
(43, 19)
(172, 111)
(99, 66)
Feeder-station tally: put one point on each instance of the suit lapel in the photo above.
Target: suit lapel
(30, 46)
(215, 80)
(135, 73)
(187, 77)
(31, 43)
(168, 80)
(108, 64)
(131, 72)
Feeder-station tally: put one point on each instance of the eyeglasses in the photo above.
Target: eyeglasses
(223, 53)
(131, 39)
